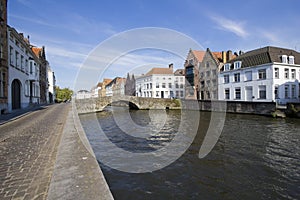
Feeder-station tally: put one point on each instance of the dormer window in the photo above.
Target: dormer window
(291, 60)
(284, 59)
(237, 64)
(227, 66)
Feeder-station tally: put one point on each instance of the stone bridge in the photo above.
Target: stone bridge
(98, 104)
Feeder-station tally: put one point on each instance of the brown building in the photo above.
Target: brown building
(102, 91)
(208, 73)
(191, 67)
(3, 57)
(40, 53)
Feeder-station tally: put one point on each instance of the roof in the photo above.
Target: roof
(36, 51)
(199, 55)
(265, 55)
(160, 71)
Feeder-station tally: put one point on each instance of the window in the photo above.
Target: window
(26, 66)
(291, 60)
(1, 51)
(157, 85)
(181, 85)
(237, 64)
(248, 76)
(17, 59)
(170, 85)
(286, 73)
(150, 86)
(157, 93)
(284, 58)
(294, 91)
(276, 71)
(207, 64)
(11, 55)
(189, 71)
(214, 83)
(191, 61)
(208, 74)
(226, 78)
(176, 85)
(227, 66)
(181, 79)
(2, 84)
(262, 92)
(181, 94)
(22, 63)
(163, 85)
(237, 93)
(30, 68)
(214, 72)
(293, 73)
(276, 90)
(208, 83)
(262, 74)
(237, 77)
(287, 91)
(177, 94)
(227, 93)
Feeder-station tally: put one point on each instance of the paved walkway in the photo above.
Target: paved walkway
(42, 157)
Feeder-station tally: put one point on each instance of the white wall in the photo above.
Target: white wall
(270, 82)
(144, 89)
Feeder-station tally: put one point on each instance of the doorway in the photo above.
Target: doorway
(16, 94)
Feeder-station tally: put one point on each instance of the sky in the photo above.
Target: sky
(72, 31)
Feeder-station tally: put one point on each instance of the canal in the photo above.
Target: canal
(256, 157)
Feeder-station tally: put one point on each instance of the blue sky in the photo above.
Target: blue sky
(70, 29)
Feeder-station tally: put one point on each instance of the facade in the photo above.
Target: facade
(95, 90)
(268, 74)
(83, 94)
(208, 73)
(191, 67)
(116, 87)
(51, 85)
(102, 90)
(161, 83)
(23, 80)
(3, 58)
(43, 72)
(130, 85)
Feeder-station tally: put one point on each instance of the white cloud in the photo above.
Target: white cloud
(236, 27)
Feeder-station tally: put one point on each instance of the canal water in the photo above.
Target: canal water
(256, 157)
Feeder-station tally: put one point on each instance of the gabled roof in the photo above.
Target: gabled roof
(160, 71)
(199, 55)
(265, 55)
(36, 51)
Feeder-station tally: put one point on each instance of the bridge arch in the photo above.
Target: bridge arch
(119, 102)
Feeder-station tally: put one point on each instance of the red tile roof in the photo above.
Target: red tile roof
(160, 71)
(199, 55)
(36, 51)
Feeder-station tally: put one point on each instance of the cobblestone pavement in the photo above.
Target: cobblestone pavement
(28, 148)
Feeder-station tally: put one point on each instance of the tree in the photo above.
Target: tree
(63, 95)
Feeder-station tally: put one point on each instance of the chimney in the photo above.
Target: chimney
(171, 66)
(224, 56)
(229, 55)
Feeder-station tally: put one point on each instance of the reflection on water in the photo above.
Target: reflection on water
(255, 158)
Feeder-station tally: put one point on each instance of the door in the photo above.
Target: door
(249, 93)
(162, 94)
(16, 94)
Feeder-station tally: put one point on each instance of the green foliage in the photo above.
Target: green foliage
(63, 94)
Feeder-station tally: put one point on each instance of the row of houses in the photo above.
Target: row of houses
(25, 74)
(156, 83)
(268, 74)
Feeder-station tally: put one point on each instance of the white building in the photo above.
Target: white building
(51, 85)
(269, 74)
(23, 82)
(161, 83)
(83, 94)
